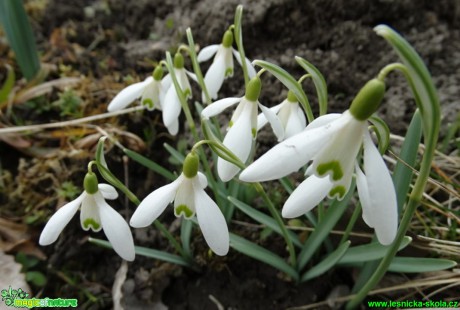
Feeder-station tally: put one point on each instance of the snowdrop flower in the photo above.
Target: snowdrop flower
(171, 105)
(222, 65)
(243, 126)
(290, 114)
(189, 197)
(151, 91)
(95, 214)
(333, 143)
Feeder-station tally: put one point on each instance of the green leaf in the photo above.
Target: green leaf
(156, 254)
(327, 223)
(174, 153)
(402, 174)
(318, 80)
(150, 164)
(263, 219)
(8, 85)
(290, 83)
(239, 40)
(20, 37)
(382, 131)
(326, 263)
(369, 252)
(261, 254)
(35, 277)
(185, 233)
(417, 264)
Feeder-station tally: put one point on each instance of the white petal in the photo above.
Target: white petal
(338, 156)
(306, 196)
(173, 128)
(116, 229)
(191, 75)
(184, 201)
(262, 120)
(59, 220)
(382, 193)
(152, 93)
(89, 213)
(251, 71)
(154, 204)
(324, 120)
(363, 192)
(215, 75)
(239, 141)
(203, 180)
(166, 82)
(274, 122)
(218, 106)
(171, 107)
(108, 191)
(128, 95)
(207, 52)
(295, 123)
(212, 223)
(289, 155)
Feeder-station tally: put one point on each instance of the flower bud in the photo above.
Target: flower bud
(253, 89)
(190, 167)
(227, 39)
(368, 99)
(178, 61)
(158, 73)
(90, 183)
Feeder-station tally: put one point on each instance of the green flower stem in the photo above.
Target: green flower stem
(388, 68)
(275, 214)
(196, 65)
(351, 224)
(304, 77)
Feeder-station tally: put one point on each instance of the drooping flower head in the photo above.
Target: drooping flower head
(242, 129)
(95, 214)
(151, 91)
(290, 114)
(172, 106)
(333, 142)
(222, 65)
(189, 197)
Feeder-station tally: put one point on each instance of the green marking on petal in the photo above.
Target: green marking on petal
(148, 102)
(229, 72)
(91, 222)
(187, 93)
(254, 132)
(338, 191)
(230, 124)
(334, 166)
(183, 210)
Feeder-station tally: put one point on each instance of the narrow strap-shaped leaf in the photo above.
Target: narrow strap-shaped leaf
(174, 153)
(419, 264)
(261, 254)
(326, 263)
(382, 131)
(185, 233)
(368, 252)
(333, 214)
(263, 219)
(156, 254)
(402, 174)
(290, 83)
(318, 80)
(149, 164)
(20, 37)
(239, 40)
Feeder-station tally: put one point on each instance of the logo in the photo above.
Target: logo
(19, 299)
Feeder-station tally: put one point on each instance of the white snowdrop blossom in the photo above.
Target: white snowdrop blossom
(151, 91)
(242, 129)
(95, 214)
(332, 142)
(171, 104)
(222, 65)
(190, 198)
(290, 114)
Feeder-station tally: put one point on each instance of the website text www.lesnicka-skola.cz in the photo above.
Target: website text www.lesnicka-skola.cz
(414, 304)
